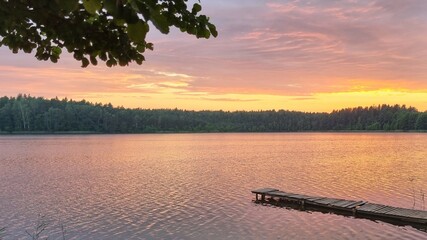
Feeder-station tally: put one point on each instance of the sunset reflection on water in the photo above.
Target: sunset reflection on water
(197, 186)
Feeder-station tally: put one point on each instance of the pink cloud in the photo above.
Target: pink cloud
(296, 48)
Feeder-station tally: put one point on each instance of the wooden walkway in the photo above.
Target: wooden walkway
(356, 208)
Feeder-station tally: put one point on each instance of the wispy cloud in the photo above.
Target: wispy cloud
(228, 99)
(293, 50)
(303, 98)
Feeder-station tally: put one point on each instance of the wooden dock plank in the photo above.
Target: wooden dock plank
(299, 196)
(293, 195)
(312, 199)
(370, 207)
(408, 213)
(305, 197)
(339, 203)
(283, 194)
(403, 212)
(377, 210)
(386, 209)
(320, 200)
(362, 207)
(327, 201)
(264, 190)
(353, 204)
(278, 194)
(343, 203)
(357, 204)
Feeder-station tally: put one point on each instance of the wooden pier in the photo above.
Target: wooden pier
(363, 209)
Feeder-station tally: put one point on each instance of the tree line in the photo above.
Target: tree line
(25, 113)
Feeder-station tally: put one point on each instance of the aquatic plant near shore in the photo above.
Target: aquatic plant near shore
(38, 230)
(415, 197)
(413, 192)
(422, 198)
(2, 230)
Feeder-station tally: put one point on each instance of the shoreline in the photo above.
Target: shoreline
(188, 132)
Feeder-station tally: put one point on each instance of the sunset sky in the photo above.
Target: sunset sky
(296, 55)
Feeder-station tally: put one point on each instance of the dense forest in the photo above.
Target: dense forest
(25, 113)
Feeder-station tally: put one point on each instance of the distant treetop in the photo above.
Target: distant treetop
(25, 113)
(113, 31)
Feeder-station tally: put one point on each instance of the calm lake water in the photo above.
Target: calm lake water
(197, 186)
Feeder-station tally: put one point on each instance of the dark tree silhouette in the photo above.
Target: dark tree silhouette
(29, 114)
(108, 30)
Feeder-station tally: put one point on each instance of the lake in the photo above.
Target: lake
(197, 186)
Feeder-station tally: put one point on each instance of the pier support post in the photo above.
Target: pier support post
(256, 197)
(263, 197)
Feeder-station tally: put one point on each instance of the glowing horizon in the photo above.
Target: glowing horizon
(313, 56)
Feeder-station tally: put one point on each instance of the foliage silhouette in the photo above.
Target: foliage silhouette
(112, 31)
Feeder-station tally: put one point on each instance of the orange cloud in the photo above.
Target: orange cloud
(299, 55)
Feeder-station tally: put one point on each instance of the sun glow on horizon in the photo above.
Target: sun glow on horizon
(310, 56)
(320, 102)
(153, 89)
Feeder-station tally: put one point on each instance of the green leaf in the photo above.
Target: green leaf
(68, 5)
(130, 15)
(111, 7)
(140, 47)
(160, 21)
(123, 62)
(202, 32)
(92, 6)
(27, 49)
(56, 51)
(92, 19)
(54, 59)
(103, 56)
(149, 46)
(93, 60)
(85, 62)
(45, 56)
(134, 6)
(196, 8)
(78, 55)
(137, 31)
(206, 33)
(111, 62)
(119, 22)
(212, 29)
(139, 59)
(192, 30)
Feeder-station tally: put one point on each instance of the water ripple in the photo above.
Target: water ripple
(197, 186)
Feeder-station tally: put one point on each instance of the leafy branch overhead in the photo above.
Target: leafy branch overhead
(113, 31)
